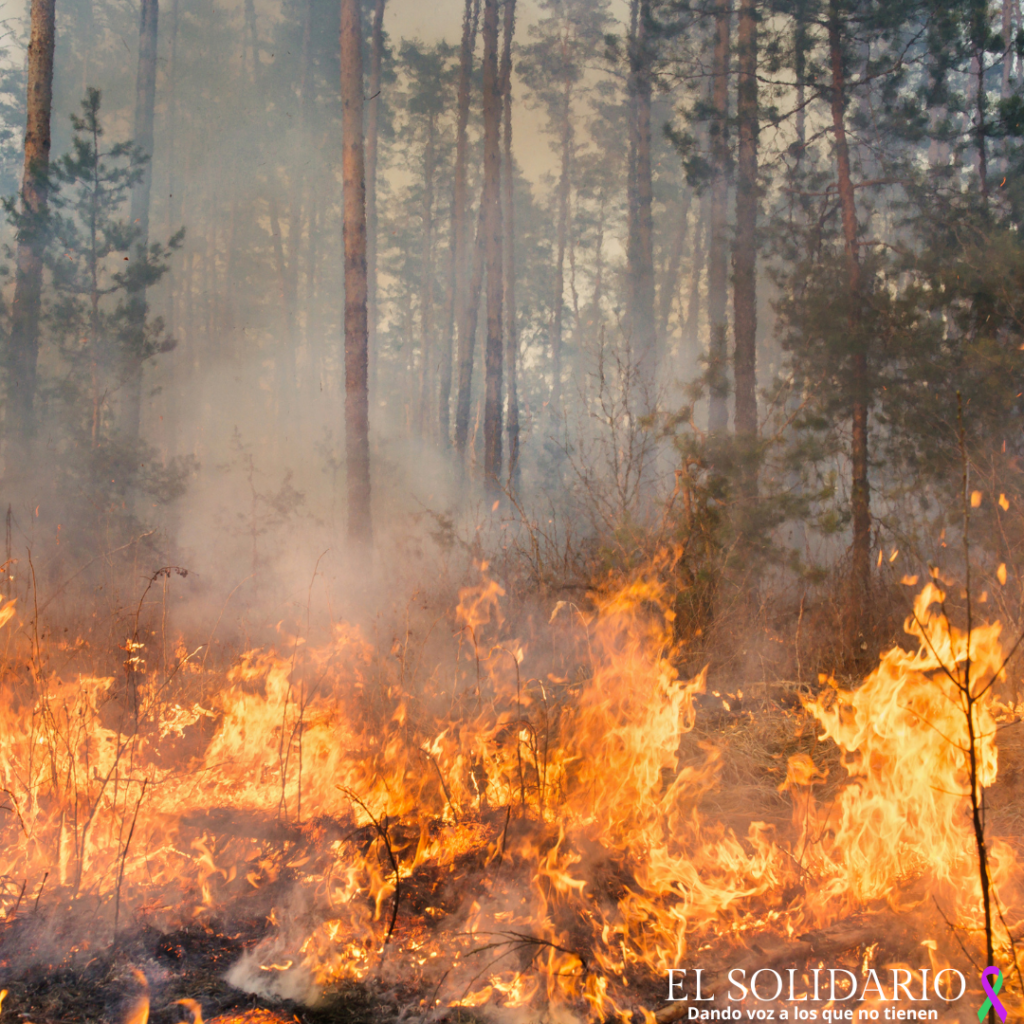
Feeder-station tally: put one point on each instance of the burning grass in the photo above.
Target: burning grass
(544, 823)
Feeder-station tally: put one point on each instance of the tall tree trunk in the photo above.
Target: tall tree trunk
(175, 368)
(718, 272)
(861, 574)
(1008, 20)
(597, 296)
(640, 244)
(558, 305)
(229, 288)
(699, 253)
(467, 334)
(286, 360)
(372, 122)
(357, 406)
(511, 327)
(801, 44)
(494, 355)
(145, 103)
(670, 280)
(285, 356)
(745, 252)
(424, 416)
(24, 341)
(454, 299)
(981, 125)
(313, 327)
(298, 188)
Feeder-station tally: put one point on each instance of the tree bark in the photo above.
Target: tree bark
(372, 133)
(494, 355)
(981, 125)
(454, 299)
(509, 236)
(357, 440)
(24, 342)
(285, 355)
(175, 369)
(698, 255)
(287, 371)
(145, 103)
(1009, 10)
(597, 296)
(718, 382)
(424, 415)
(298, 191)
(640, 244)
(801, 44)
(745, 251)
(670, 280)
(861, 569)
(467, 333)
(564, 192)
(313, 327)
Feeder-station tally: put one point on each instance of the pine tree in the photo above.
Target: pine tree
(640, 243)
(509, 255)
(455, 299)
(145, 101)
(721, 164)
(23, 346)
(424, 102)
(373, 106)
(92, 320)
(357, 439)
(552, 66)
(493, 352)
(745, 247)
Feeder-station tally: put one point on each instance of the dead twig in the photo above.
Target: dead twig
(430, 757)
(35, 908)
(954, 933)
(124, 857)
(382, 831)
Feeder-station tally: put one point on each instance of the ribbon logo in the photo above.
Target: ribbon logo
(993, 994)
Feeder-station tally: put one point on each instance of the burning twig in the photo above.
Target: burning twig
(519, 747)
(447, 795)
(977, 793)
(17, 903)
(39, 894)
(124, 855)
(433, 998)
(532, 940)
(132, 644)
(14, 800)
(382, 831)
(515, 942)
(1009, 935)
(504, 834)
(36, 662)
(955, 934)
(182, 662)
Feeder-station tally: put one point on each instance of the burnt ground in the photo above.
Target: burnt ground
(186, 964)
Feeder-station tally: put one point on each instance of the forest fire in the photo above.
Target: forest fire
(487, 834)
(464, 466)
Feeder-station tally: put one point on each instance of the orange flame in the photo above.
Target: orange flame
(496, 837)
